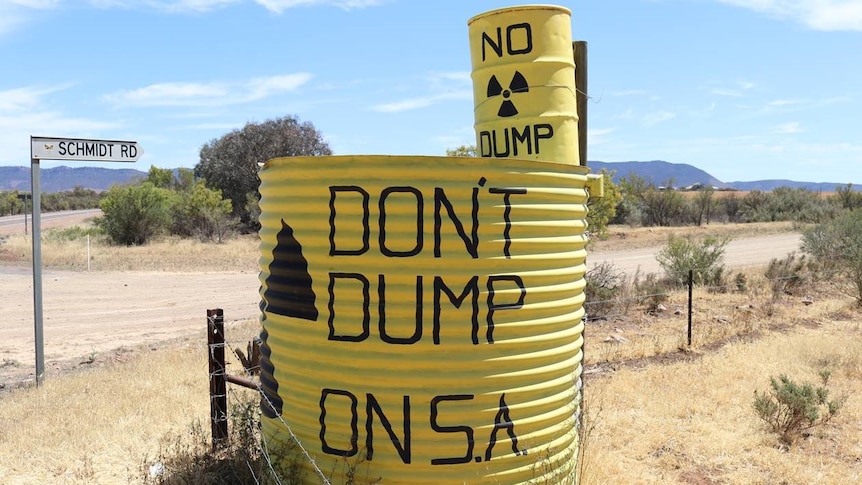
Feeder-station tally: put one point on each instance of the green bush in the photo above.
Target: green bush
(133, 214)
(705, 258)
(790, 409)
(202, 212)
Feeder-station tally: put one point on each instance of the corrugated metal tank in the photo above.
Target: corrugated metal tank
(422, 316)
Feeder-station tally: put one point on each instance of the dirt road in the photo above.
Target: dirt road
(738, 253)
(88, 315)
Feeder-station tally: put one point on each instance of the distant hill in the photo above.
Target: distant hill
(59, 179)
(657, 172)
(660, 172)
(767, 185)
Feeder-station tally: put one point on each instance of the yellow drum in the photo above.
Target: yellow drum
(524, 84)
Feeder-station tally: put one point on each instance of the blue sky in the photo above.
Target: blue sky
(744, 89)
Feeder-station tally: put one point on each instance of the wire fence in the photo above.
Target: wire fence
(630, 296)
(219, 377)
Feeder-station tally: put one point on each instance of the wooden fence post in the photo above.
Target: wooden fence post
(218, 384)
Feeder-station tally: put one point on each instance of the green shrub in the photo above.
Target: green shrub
(704, 258)
(133, 214)
(837, 245)
(790, 409)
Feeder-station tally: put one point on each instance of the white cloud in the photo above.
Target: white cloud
(22, 114)
(598, 136)
(737, 91)
(180, 6)
(421, 102)
(816, 14)
(785, 102)
(443, 86)
(209, 94)
(788, 128)
(279, 6)
(13, 13)
(653, 119)
(19, 99)
(629, 92)
(36, 4)
(15, 132)
(726, 92)
(8, 7)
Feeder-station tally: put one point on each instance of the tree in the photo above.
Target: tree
(703, 203)
(162, 178)
(230, 163)
(202, 212)
(463, 151)
(602, 210)
(133, 214)
(185, 179)
(657, 207)
(731, 205)
(847, 198)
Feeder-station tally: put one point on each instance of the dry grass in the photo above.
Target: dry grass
(692, 422)
(239, 253)
(656, 413)
(111, 423)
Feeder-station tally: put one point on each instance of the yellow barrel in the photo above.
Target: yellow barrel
(422, 317)
(524, 93)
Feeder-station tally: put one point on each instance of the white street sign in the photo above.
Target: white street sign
(80, 149)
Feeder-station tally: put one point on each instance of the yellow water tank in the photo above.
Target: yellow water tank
(422, 317)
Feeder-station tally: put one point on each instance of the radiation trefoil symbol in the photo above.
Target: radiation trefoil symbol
(518, 85)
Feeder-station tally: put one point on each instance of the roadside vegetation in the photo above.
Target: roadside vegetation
(657, 410)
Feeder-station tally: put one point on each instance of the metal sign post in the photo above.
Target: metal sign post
(36, 205)
(43, 148)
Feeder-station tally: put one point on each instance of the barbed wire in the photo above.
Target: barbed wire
(265, 453)
(803, 274)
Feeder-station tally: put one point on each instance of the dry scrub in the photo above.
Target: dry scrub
(656, 410)
(111, 423)
(692, 422)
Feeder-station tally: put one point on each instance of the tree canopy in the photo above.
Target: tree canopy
(230, 163)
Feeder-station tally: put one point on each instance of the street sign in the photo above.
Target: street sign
(82, 149)
(44, 148)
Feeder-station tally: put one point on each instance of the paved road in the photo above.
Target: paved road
(738, 253)
(10, 224)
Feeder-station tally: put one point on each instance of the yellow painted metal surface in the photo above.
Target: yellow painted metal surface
(523, 75)
(422, 316)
